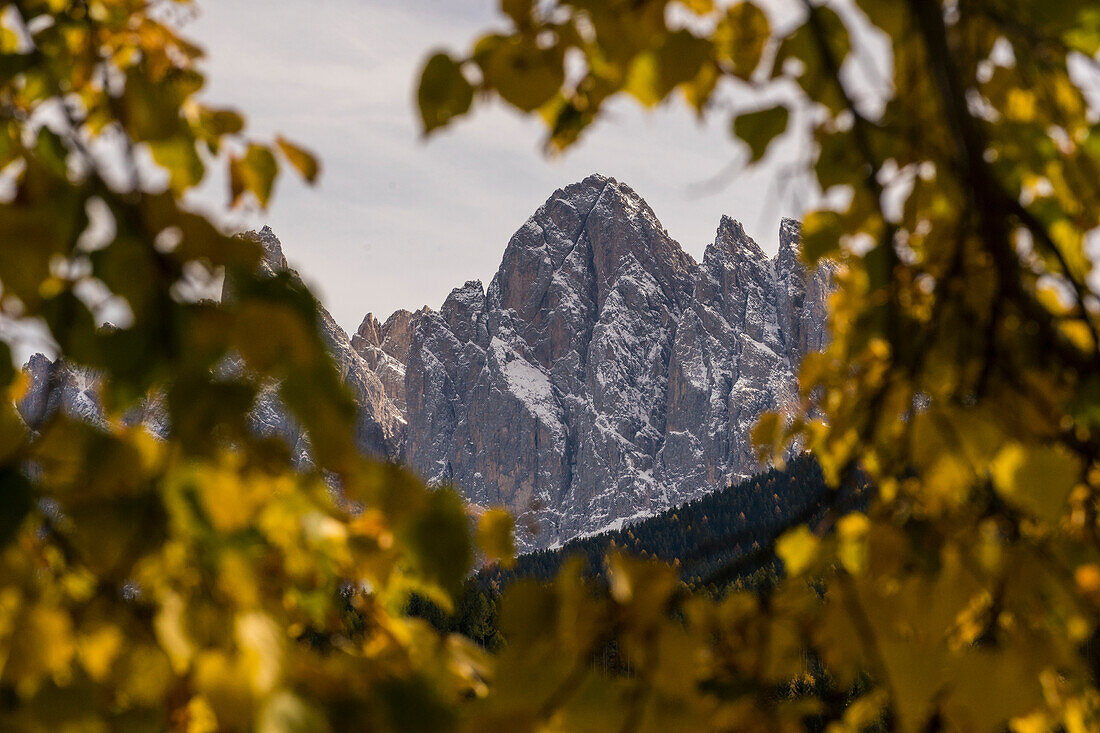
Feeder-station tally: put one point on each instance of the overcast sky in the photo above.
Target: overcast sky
(396, 221)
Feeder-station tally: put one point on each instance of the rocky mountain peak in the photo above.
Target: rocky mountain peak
(369, 333)
(397, 332)
(732, 243)
(464, 311)
(380, 424)
(789, 257)
(273, 258)
(790, 235)
(601, 377)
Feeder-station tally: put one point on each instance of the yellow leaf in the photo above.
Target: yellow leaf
(852, 533)
(261, 643)
(226, 689)
(303, 161)
(177, 155)
(98, 648)
(285, 712)
(143, 675)
(769, 437)
(169, 627)
(198, 717)
(797, 548)
(700, 7)
(494, 536)
(1036, 478)
(1020, 105)
(43, 646)
(254, 173)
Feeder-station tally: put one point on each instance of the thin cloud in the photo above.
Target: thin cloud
(396, 221)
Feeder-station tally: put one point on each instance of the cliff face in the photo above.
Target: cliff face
(602, 376)
(385, 349)
(380, 424)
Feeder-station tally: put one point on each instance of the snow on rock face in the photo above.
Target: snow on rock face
(604, 374)
(57, 387)
(380, 426)
(385, 349)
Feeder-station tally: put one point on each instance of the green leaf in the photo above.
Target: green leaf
(804, 46)
(759, 128)
(518, 10)
(17, 499)
(523, 74)
(303, 161)
(821, 233)
(444, 93)
(51, 150)
(439, 541)
(889, 16)
(218, 122)
(150, 111)
(254, 173)
(741, 36)
(681, 57)
(1084, 36)
(654, 74)
(413, 706)
(7, 368)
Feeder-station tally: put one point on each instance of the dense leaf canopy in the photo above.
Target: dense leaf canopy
(960, 164)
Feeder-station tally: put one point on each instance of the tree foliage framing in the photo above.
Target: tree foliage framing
(202, 583)
(964, 371)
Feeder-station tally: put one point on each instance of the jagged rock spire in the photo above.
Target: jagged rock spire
(604, 374)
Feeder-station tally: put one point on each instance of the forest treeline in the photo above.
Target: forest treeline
(722, 536)
(719, 542)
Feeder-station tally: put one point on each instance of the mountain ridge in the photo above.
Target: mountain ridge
(602, 376)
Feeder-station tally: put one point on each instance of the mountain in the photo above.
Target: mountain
(56, 386)
(603, 376)
(380, 424)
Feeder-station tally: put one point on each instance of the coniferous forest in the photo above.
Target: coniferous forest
(724, 540)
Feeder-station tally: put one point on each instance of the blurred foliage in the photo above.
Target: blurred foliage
(960, 161)
(199, 582)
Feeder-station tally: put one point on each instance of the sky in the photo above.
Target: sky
(397, 221)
